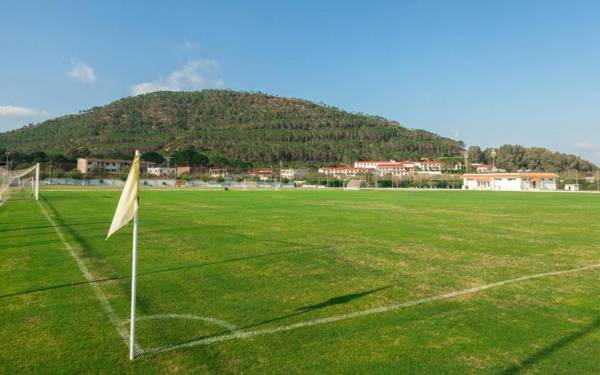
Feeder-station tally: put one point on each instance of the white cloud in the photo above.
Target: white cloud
(194, 75)
(83, 73)
(13, 110)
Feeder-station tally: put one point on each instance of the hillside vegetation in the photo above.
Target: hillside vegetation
(251, 127)
(515, 157)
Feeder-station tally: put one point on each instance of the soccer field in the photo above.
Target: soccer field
(304, 282)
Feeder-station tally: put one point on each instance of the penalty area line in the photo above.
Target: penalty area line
(110, 312)
(361, 313)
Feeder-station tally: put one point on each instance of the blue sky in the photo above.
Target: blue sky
(486, 72)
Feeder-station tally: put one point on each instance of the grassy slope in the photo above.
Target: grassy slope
(265, 259)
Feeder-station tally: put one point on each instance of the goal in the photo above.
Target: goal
(353, 184)
(23, 182)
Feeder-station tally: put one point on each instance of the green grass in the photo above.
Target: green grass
(267, 259)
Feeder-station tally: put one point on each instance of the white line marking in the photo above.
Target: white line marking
(357, 314)
(206, 319)
(110, 312)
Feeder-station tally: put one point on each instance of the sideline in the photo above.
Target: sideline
(110, 312)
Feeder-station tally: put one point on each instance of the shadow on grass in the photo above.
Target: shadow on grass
(89, 251)
(548, 350)
(339, 300)
(150, 273)
(233, 260)
(12, 229)
(58, 286)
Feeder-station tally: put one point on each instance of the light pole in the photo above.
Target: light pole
(493, 154)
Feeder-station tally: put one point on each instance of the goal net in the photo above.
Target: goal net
(20, 183)
(354, 184)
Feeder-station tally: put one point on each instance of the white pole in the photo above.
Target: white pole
(133, 282)
(37, 182)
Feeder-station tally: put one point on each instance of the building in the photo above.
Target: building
(263, 174)
(187, 170)
(572, 187)
(90, 165)
(510, 181)
(371, 164)
(393, 169)
(590, 179)
(344, 172)
(293, 173)
(161, 171)
(218, 172)
(428, 167)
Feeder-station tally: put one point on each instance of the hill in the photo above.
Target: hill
(251, 127)
(516, 157)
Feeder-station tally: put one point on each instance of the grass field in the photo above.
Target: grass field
(304, 282)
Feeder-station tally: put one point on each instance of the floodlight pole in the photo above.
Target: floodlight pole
(133, 280)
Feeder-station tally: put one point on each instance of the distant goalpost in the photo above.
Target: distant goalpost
(20, 180)
(354, 185)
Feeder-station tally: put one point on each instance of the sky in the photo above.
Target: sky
(485, 72)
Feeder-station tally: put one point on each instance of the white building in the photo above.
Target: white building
(89, 165)
(161, 171)
(371, 164)
(429, 167)
(572, 187)
(339, 172)
(392, 169)
(293, 173)
(511, 181)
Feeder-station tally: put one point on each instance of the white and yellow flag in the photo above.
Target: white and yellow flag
(128, 203)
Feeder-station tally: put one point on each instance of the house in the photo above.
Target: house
(341, 172)
(263, 174)
(187, 170)
(217, 172)
(293, 173)
(572, 187)
(510, 181)
(161, 171)
(590, 179)
(91, 165)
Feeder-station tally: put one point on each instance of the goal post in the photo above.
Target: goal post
(18, 179)
(37, 182)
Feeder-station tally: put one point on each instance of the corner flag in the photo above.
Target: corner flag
(128, 203)
(127, 209)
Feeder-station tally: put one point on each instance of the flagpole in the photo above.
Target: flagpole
(133, 280)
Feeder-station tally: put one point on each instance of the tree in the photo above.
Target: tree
(153, 157)
(189, 156)
(475, 154)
